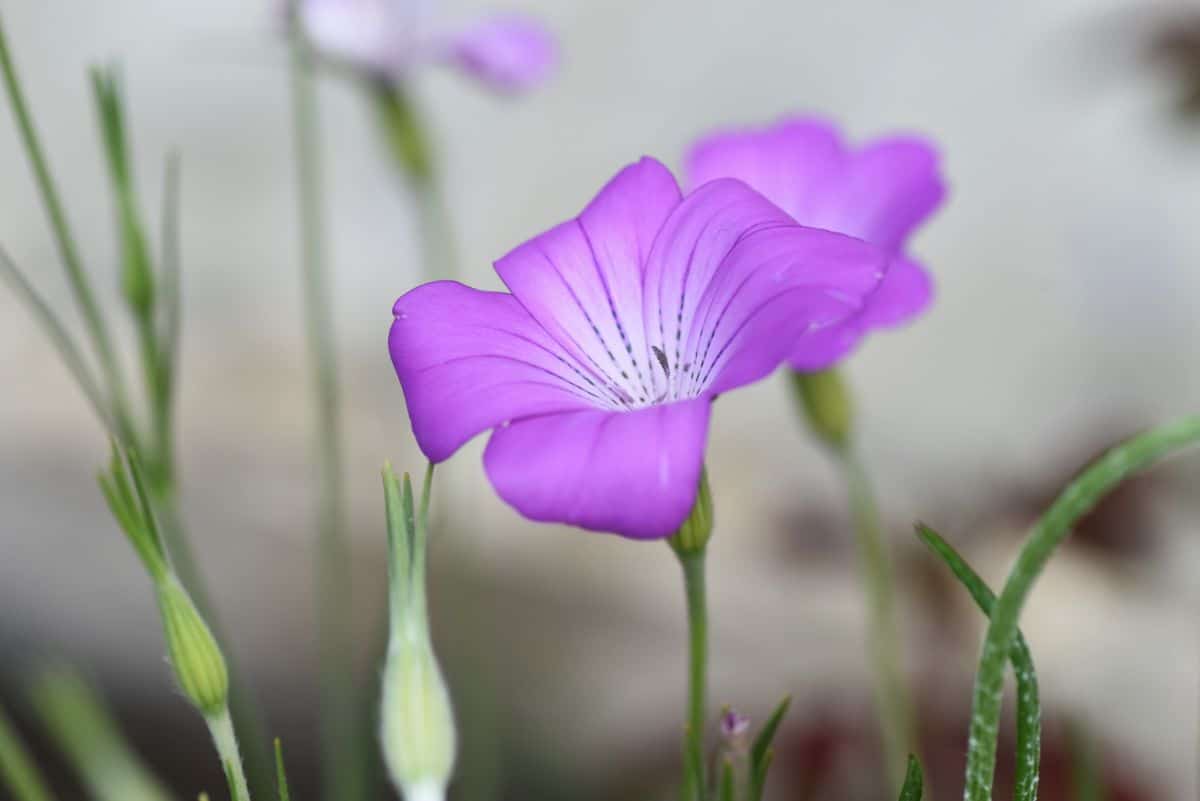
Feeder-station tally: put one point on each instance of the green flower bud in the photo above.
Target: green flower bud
(192, 649)
(418, 734)
(419, 738)
(826, 404)
(694, 534)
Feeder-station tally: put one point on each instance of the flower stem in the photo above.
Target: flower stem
(17, 768)
(695, 782)
(1076, 500)
(220, 726)
(891, 694)
(340, 736)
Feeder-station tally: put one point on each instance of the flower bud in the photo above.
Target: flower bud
(193, 651)
(693, 535)
(419, 738)
(826, 404)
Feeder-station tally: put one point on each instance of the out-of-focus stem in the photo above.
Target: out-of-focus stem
(341, 736)
(16, 767)
(891, 690)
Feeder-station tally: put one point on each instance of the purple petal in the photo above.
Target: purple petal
(510, 53)
(732, 282)
(631, 473)
(469, 361)
(879, 193)
(905, 292)
(786, 162)
(375, 35)
(582, 280)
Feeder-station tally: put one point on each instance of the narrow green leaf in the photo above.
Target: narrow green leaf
(912, 788)
(725, 792)
(280, 773)
(1079, 497)
(762, 743)
(139, 484)
(171, 260)
(1029, 715)
(83, 729)
(758, 775)
(135, 517)
(17, 768)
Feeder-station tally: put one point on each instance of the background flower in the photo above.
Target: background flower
(598, 371)
(387, 38)
(879, 192)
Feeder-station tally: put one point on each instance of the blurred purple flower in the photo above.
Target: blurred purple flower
(388, 38)
(879, 192)
(598, 370)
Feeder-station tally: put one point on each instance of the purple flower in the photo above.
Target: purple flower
(879, 192)
(597, 373)
(388, 38)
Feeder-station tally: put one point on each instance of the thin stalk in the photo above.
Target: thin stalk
(695, 780)
(68, 351)
(1080, 496)
(220, 726)
(891, 692)
(17, 768)
(81, 288)
(340, 735)
(409, 142)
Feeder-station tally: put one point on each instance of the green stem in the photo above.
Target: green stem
(17, 769)
(80, 286)
(1076, 500)
(408, 141)
(344, 779)
(220, 726)
(891, 693)
(695, 780)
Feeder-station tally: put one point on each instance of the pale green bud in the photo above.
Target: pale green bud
(419, 738)
(693, 536)
(193, 651)
(826, 403)
(418, 734)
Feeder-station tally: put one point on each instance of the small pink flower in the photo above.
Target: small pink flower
(388, 38)
(880, 192)
(597, 371)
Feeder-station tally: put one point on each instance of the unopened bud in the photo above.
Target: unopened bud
(193, 651)
(826, 404)
(693, 535)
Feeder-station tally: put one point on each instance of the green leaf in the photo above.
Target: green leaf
(767, 734)
(911, 790)
(17, 768)
(1029, 715)
(134, 515)
(725, 792)
(280, 773)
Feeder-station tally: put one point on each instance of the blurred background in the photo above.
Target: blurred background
(1066, 266)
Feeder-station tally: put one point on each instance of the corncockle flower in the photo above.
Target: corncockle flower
(879, 192)
(597, 370)
(388, 38)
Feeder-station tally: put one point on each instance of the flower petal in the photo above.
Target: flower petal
(904, 293)
(784, 162)
(375, 35)
(631, 473)
(509, 54)
(885, 191)
(732, 282)
(582, 280)
(879, 193)
(470, 360)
